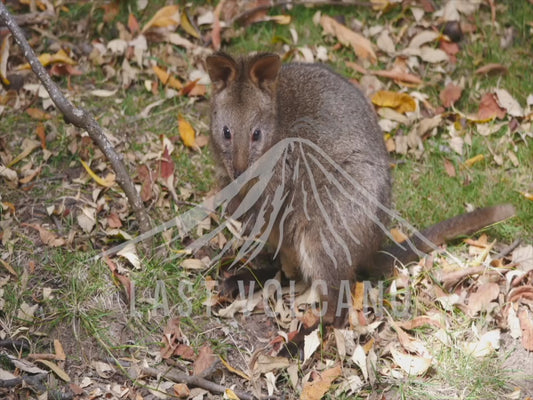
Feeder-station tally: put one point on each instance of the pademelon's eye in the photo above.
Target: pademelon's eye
(226, 132)
(256, 135)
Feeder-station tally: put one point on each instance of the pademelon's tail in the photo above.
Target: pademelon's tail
(464, 224)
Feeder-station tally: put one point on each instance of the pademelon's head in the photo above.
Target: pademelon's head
(243, 108)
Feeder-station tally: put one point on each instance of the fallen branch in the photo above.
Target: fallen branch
(191, 380)
(80, 118)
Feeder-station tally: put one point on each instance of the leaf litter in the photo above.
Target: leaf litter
(501, 292)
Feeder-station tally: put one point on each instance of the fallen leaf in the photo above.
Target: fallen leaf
(480, 299)
(361, 45)
(168, 16)
(266, 363)
(431, 55)
(487, 343)
(49, 238)
(419, 321)
(473, 160)
(4, 55)
(316, 389)
(28, 145)
(56, 369)
(492, 69)
(449, 167)
(206, 358)
(422, 38)
(133, 24)
(181, 390)
(188, 26)
(8, 267)
(398, 75)
(508, 102)
(412, 365)
(311, 343)
(401, 102)
(37, 113)
(129, 252)
(489, 108)
(108, 181)
(234, 370)
(59, 352)
(187, 133)
(450, 94)
(526, 324)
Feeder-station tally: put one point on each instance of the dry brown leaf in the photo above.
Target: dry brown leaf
(37, 113)
(489, 108)
(59, 352)
(492, 69)
(48, 237)
(133, 24)
(449, 167)
(419, 321)
(450, 94)
(360, 44)
(526, 324)
(206, 358)
(508, 102)
(181, 390)
(317, 389)
(399, 76)
(481, 299)
(172, 336)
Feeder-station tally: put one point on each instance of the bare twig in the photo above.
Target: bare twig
(80, 118)
(180, 377)
(31, 18)
(507, 249)
(276, 3)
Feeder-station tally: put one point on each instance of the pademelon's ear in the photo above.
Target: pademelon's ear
(264, 69)
(222, 70)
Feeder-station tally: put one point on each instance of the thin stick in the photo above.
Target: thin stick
(180, 377)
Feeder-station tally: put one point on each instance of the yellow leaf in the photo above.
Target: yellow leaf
(474, 160)
(28, 145)
(527, 195)
(46, 59)
(234, 370)
(281, 19)
(4, 54)
(61, 57)
(187, 133)
(188, 26)
(401, 102)
(108, 181)
(161, 74)
(167, 16)
(230, 395)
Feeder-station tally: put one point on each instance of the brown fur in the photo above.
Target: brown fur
(311, 102)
